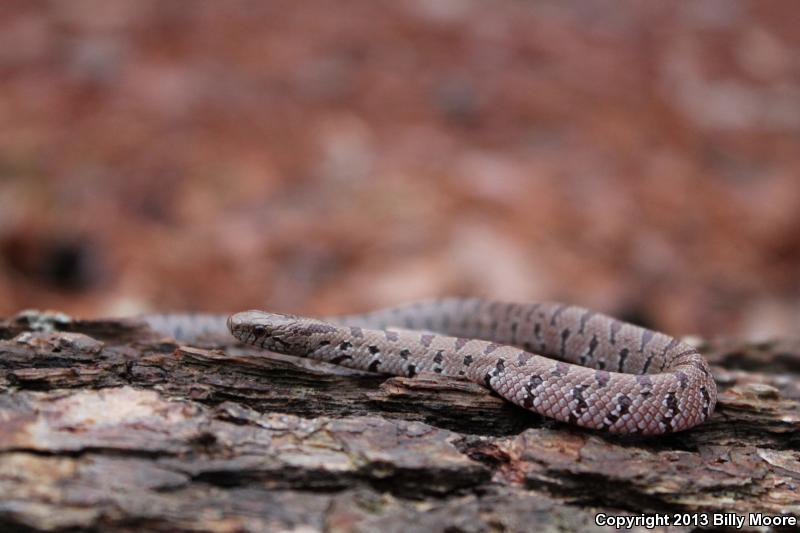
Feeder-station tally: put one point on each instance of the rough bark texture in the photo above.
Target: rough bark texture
(106, 426)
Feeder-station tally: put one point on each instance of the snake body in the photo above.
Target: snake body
(564, 362)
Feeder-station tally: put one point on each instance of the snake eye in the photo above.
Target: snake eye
(260, 331)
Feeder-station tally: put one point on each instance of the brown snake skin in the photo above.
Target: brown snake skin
(593, 371)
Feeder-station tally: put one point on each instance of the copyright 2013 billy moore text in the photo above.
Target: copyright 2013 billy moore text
(731, 520)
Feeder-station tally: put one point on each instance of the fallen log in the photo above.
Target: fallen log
(106, 425)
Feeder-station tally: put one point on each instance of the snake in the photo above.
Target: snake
(561, 361)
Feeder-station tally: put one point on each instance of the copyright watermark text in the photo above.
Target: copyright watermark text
(651, 521)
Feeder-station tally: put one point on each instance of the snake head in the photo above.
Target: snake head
(274, 331)
(260, 328)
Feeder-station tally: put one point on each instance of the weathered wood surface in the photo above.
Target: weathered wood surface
(104, 426)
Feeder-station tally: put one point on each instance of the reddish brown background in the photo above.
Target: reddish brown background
(642, 158)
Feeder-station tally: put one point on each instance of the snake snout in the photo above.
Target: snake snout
(240, 323)
(236, 321)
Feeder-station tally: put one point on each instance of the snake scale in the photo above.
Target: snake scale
(564, 362)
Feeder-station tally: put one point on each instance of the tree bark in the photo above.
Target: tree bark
(106, 426)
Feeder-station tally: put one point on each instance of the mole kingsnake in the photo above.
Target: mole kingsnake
(562, 361)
